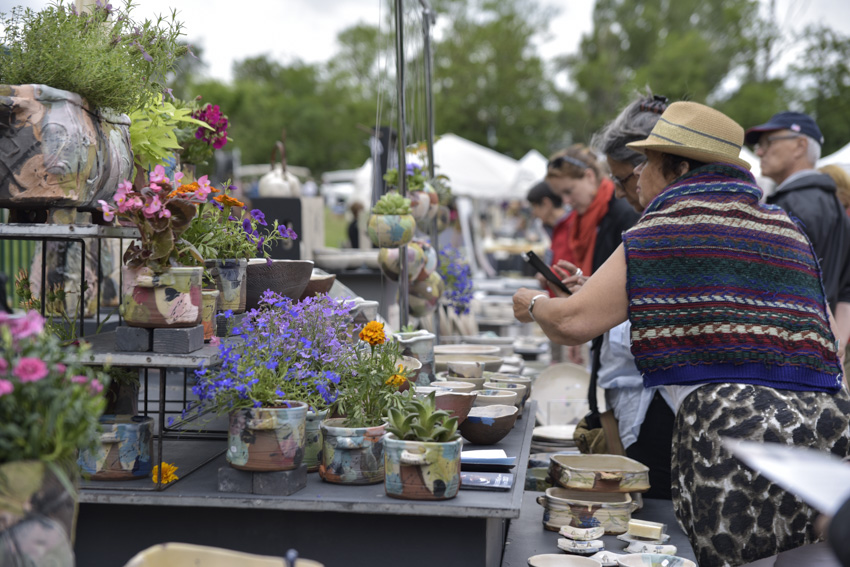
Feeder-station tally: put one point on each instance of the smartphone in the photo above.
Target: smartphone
(541, 267)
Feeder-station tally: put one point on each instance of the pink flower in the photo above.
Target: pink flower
(4, 366)
(124, 188)
(178, 175)
(153, 206)
(22, 327)
(79, 379)
(165, 213)
(61, 368)
(155, 188)
(30, 369)
(6, 387)
(204, 189)
(96, 386)
(158, 174)
(108, 211)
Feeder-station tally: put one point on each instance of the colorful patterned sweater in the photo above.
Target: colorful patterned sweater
(724, 289)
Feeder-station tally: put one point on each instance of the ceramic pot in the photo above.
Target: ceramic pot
(56, 152)
(424, 295)
(352, 455)
(267, 439)
(209, 298)
(391, 231)
(418, 470)
(38, 511)
(388, 258)
(431, 262)
(419, 345)
(420, 204)
(230, 281)
(169, 299)
(125, 452)
(313, 445)
(288, 278)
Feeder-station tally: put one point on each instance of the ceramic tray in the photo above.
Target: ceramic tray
(612, 511)
(599, 473)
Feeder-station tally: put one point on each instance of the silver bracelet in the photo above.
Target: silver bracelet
(531, 304)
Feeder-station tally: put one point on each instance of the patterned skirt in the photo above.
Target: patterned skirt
(731, 514)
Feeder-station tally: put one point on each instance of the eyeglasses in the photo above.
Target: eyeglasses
(621, 181)
(765, 144)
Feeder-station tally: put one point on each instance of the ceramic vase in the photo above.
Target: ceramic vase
(39, 511)
(313, 445)
(391, 231)
(352, 455)
(125, 452)
(231, 282)
(419, 345)
(56, 152)
(169, 299)
(267, 439)
(418, 470)
(209, 297)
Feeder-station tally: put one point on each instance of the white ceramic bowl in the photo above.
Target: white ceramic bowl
(520, 390)
(443, 376)
(491, 363)
(456, 386)
(467, 349)
(490, 397)
(654, 560)
(561, 560)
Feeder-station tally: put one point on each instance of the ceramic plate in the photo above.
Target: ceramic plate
(581, 547)
(654, 560)
(643, 547)
(626, 537)
(582, 534)
(558, 388)
(550, 433)
(559, 560)
(607, 558)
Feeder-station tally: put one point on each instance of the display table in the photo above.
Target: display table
(336, 525)
(526, 536)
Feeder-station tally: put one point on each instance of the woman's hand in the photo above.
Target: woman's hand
(522, 298)
(570, 274)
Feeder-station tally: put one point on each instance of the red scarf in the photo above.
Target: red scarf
(582, 238)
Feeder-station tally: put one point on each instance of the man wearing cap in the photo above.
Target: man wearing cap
(789, 146)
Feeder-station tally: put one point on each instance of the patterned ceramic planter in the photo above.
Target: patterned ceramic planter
(388, 259)
(313, 446)
(267, 439)
(229, 276)
(419, 470)
(391, 231)
(352, 455)
(209, 297)
(56, 152)
(419, 345)
(424, 295)
(125, 452)
(169, 299)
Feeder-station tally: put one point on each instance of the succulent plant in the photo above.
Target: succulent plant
(418, 419)
(392, 204)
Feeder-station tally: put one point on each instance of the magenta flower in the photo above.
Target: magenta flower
(30, 369)
(30, 324)
(95, 386)
(6, 387)
(108, 211)
(79, 379)
(61, 368)
(153, 206)
(158, 174)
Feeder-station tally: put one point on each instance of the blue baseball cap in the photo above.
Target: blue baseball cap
(794, 121)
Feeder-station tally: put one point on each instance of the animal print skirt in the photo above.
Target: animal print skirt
(731, 514)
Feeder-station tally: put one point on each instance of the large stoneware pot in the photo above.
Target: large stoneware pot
(418, 470)
(125, 452)
(37, 510)
(231, 282)
(352, 455)
(56, 152)
(288, 278)
(267, 439)
(169, 299)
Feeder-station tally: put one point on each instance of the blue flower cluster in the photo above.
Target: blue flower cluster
(457, 274)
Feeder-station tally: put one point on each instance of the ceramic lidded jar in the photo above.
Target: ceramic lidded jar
(421, 470)
(267, 439)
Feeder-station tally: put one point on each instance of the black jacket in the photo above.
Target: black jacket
(609, 234)
(811, 201)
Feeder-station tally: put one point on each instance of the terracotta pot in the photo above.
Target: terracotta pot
(391, 231)
(209, 298)
(417, 470)
(267, 439)
(352, 455)
(288, 278)
(231, 282)
(169, 299)
(56, 152)
(125, 452)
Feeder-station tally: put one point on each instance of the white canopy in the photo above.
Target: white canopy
(841, 157)
(532, 168)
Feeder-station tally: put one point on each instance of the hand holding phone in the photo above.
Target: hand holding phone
(547, 273)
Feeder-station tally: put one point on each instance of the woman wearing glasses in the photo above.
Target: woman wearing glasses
(728, 314)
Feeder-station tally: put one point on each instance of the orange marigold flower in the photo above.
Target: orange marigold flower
(373, 333)
(168, 471)
(228, 201)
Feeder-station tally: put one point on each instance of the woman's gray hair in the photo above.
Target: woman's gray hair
(634, 123)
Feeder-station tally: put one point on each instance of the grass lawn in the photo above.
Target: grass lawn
(336, 229)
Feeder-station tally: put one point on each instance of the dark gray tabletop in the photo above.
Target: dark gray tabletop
(527, 537)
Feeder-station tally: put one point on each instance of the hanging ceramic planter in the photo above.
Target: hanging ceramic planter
(169, 299)
(125, 452)
(388, 259)
(230, 280)
(390, 231)
(313, 445)
(209, 298)
(267, 439)
(422, 470)
(352, 455)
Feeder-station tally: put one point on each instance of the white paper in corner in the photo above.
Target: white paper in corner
(485, 454)
(820, 479)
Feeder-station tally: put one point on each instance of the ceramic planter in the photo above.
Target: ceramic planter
(424, 295)
(313, 445)
(419, 345)
(209, 297)
(288, 278)
(352, 455)
(388, 259)
(169, 299)
(581, 509)
(230, 281)
(267, 439)
(56, 152)
(599, 473)
(418, 470)
(391, 231)
(37, 512)
(125, 452)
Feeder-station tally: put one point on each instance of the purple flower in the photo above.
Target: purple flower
(259, 216)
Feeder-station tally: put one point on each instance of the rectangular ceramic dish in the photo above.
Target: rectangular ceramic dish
(599, 473)
(562, 507)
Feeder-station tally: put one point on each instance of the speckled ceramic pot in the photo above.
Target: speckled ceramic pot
(125, 451)
(313, 446)
(391, 231)
(230, 280)
(169, 299)
(418, 470)
(352, 455)
(419, 345)
(267, 439)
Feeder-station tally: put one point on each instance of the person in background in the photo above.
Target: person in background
(842, 183)
(550, 210)
(353, 227)
(789, 145)
(729, 315)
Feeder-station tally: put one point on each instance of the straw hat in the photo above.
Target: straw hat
(693, 130)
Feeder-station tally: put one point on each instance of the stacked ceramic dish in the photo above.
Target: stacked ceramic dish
(554, 439)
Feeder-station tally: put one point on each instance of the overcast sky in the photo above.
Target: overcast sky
(287, 30)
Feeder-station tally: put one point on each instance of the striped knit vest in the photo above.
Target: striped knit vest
(724, 289)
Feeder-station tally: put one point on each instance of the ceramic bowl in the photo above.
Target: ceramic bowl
(491, 397)
(456, 403)
(465, 369)
(486, 425)
(288, 278)
(654, 560)
(512, 379)
(491, 363)
(467, 349)
(561, 560)
(457, 386)
(318, 284)
(444, 376)
(520, 389)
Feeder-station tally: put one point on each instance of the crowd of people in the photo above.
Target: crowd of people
(714, 310)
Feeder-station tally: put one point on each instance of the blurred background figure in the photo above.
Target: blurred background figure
(552, 213)
(842, 183)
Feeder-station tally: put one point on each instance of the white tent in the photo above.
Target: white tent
(841, 157)
(755, 162)
(532, 168)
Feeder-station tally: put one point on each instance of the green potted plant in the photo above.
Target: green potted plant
(68, 80)
(422, 451)
(391, 223)
(352, 449)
